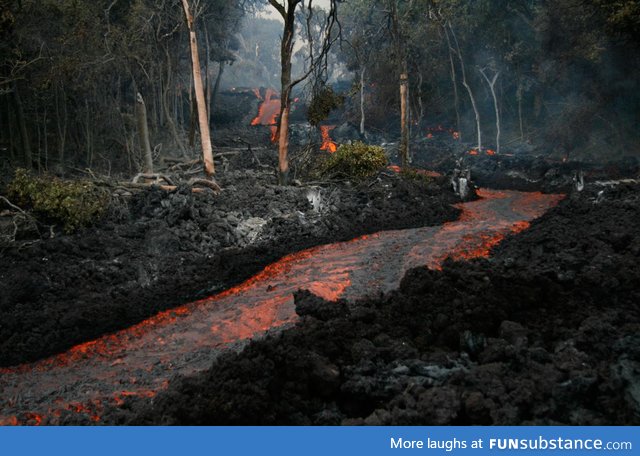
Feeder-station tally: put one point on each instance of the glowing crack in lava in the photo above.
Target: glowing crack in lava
(141, 360)
(327, 142)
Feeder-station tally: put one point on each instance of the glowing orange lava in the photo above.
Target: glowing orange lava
(327, 142)
(140, 360)
(440, 129)
(269, 108)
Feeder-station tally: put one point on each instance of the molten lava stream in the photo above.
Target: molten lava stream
(139, 361)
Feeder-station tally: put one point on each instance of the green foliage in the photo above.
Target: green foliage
(73, 204)
(414, 175)
(322, 104)
(356, 161)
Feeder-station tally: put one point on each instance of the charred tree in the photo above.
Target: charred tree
(287, 10)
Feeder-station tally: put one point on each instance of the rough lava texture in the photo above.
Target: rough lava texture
(544, 332)
(164, 249)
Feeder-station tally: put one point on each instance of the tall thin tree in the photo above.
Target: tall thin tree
(203, 118)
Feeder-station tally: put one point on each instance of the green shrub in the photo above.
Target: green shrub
(73, 204)
(415, 175)
(356, 161)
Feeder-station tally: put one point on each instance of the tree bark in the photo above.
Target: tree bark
(362, 71)
(205, 137)
(454, 83)
(286, 51)
(22, 125)
(216, 86)
(143, 132)
(404, 121)
(167, 111)
(468, 87)
(492, 87)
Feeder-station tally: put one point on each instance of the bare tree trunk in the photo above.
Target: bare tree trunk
(216, 85)
(143, 132)
(362, 71)
(22, 125)
(207, 81)
(167, 111)
(454, 83)
(286, 51)
(404, 121)
(468, 87)
(61, 122)
(88, 133)
(492, 86)
(519, 99)
(205, 137)
(287, 11)
(420, 115)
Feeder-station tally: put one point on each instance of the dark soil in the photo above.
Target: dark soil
(520, 167)
(547, 331)
(164, 249)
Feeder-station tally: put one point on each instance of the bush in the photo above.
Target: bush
(356, 161)
(73, 204)
(415, 175)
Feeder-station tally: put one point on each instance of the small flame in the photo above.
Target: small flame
(327, 142)
(456, 135)
(473, 152)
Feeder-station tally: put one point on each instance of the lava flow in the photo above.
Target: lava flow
(268, 111)
(141, 360)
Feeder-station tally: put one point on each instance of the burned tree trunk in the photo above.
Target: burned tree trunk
(286, 52)
(143, 132)
(288, 12)
(203, 118)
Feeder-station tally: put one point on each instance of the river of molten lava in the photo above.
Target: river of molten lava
(141, 360)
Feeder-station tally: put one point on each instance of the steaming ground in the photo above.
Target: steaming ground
(544, 332)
